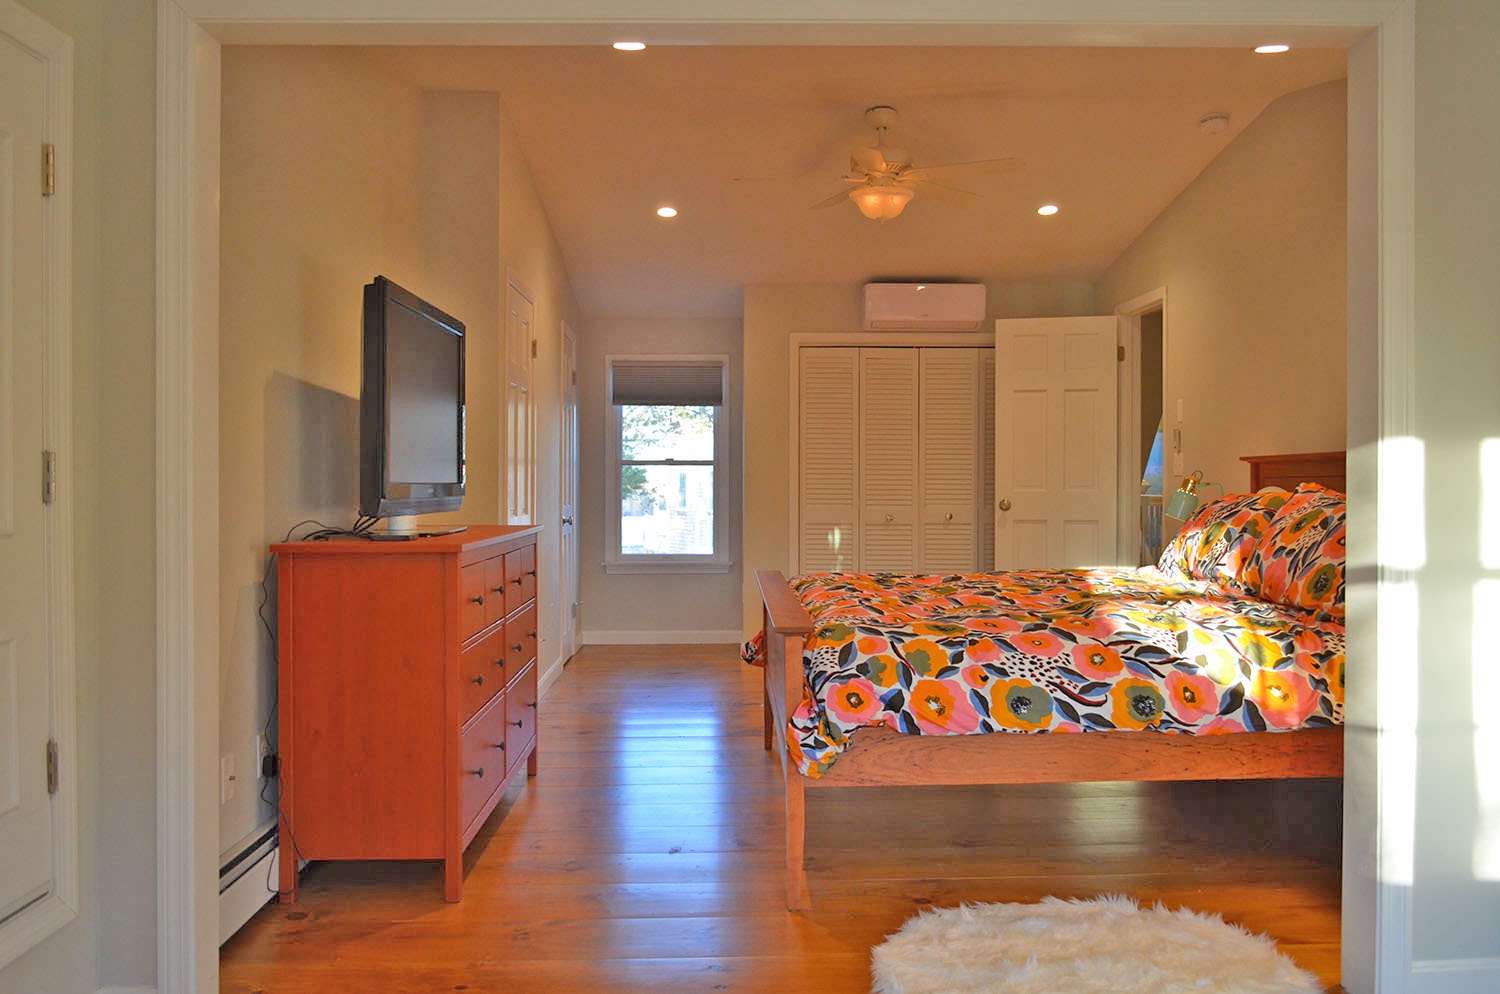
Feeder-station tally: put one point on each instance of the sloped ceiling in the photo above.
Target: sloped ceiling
(742, 140)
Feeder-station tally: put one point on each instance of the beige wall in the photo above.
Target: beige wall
(426, 188)
(298, 245)
(1252, 256)
(774, 312)
(618, 606)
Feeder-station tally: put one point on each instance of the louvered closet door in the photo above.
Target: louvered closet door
(948, 459)
(987, 466)
(828, 399)
(888, 459)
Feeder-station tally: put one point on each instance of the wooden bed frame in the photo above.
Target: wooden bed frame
(885, 758)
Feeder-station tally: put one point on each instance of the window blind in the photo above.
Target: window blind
(676, 384)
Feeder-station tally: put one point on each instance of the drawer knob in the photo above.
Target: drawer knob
(497, 590)
(518, 647)
(477, 600)
(479, 680)
(519, 724)
(500, 746)
(517, 581)
(531, 635)
(477, 773)
(499, 661)
(531, 572)
(532, 705)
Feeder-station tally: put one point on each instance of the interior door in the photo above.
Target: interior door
(828, 429)
(520, 434)
(26, 812)
(569, 496)
(948, 459)
(1056, 384)
(888, 531)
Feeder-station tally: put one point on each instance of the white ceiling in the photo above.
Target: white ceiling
(742, 140)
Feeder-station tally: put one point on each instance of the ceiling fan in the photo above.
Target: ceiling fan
(884, 180)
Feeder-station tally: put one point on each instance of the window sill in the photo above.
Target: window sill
(644, 566)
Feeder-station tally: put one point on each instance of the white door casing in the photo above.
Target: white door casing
(1055, 442)
(38, 833)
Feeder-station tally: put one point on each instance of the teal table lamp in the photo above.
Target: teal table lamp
(1184, 500)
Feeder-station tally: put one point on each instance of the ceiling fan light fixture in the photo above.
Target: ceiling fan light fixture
(880, 203)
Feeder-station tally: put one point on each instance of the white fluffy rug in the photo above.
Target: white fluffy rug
(1108, 945)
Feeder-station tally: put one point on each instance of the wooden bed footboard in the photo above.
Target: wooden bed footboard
(882, 757)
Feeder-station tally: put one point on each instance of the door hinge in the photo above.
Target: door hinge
(49, 476)
(52, 766)
(49, 170)
(1119, 353)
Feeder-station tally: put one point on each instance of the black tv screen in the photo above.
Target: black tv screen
(411, 406)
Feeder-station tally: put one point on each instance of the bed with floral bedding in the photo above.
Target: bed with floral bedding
(1225, 660)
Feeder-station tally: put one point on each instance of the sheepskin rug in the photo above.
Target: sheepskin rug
(1107, 945)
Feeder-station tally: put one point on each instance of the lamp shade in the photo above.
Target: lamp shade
(879, 203)
(1184, 500)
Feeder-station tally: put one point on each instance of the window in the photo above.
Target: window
(667, 439)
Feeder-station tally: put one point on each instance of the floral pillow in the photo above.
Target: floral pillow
(1299, 561)
(1216, 542)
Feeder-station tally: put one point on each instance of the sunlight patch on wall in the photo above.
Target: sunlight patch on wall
(1403, 508)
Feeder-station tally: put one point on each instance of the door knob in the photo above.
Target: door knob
(1005, 503)
(567, 521)
(889, 517)
(948, 516)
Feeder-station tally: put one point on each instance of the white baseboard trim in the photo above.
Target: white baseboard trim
(127, 990)
(547, 676)
(662, 638)
(239, 901)
(1455, 976)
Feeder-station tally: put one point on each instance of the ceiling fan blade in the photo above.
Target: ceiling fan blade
(953, 170)
(868, 159)
(832, 201)
(943, 193)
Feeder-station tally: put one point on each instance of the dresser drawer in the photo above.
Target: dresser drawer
(471, 605)
(483, 767)
(494, 590)
(482, 671)
(520, 576)
(520, 639)
(520, 715)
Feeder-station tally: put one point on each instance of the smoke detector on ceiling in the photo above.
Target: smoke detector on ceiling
(1215, 123)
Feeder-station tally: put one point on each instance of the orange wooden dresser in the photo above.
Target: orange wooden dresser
(407, 693)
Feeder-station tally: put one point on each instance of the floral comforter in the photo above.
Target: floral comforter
(1055, 651)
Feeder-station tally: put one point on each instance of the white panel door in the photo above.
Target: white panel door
(1055, 442)
(568, 532)
(948, 459)
(828, 440)
(26, 861)
(888, 459)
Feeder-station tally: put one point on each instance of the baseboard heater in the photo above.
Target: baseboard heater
(246, 882)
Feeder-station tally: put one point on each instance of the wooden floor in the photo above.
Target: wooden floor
(647, 856)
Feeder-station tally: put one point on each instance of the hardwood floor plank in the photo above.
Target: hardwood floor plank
(647, 857)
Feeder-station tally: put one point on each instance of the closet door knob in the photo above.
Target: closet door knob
(948, 516)
(1005, 504)
(889, 517)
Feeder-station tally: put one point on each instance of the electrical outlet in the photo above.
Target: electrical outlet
(226, 778)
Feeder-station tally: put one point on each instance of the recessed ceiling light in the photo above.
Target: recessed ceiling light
(665, 211)
(629, 46)
(1275, 49)
(1047, 210)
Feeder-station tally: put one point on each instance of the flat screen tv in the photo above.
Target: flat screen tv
(411, 411)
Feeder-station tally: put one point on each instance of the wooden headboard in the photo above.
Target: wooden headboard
(1286, 471)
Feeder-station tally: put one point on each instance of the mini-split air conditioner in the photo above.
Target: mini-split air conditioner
(924, 306)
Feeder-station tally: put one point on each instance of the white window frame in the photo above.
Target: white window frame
(614, 560)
